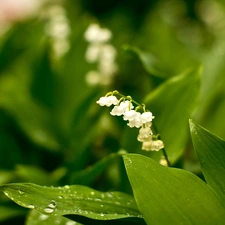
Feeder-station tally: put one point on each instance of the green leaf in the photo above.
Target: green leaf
(210, 151)
(37, 218)
(73, 200)
(171, 196)
(172, 104)
(150, 63)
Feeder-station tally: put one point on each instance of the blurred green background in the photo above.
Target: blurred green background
(51, 129)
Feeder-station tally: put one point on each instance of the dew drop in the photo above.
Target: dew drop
(98, 199)
(70, 223)
(6, 193)
(52, 204)
(92, 193)
(103, 195)
(102, 214)
(49, 210)
(109, 195)
(31, 206)
(20, 192)
(67, 186)
(43, 217)
(102, 206)
(60, 197)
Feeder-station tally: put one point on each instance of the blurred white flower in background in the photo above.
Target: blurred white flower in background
(58, 29)
(96, 34)
(102, 53)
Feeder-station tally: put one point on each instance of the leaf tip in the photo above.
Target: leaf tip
(192, 125)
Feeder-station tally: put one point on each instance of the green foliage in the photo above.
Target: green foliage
(53, 134)
(171, 196)
(177, 101)
(36, 217)
(73, 200)
(210, 151)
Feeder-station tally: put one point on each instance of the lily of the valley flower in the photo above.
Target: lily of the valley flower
(120, 109)
(107, 101)
(152, 145)
(124, 107)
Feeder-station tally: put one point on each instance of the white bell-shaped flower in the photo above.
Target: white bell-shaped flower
(157, 145)
(121, 108)
(130, 115)
(135, 122)
(117, 111)
(107, 101)
(146, 117)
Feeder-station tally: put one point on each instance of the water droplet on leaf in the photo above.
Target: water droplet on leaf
(70, 223)
(31, 206)
(52, 204)
(49, 210)
(43, 217)
(20, 192)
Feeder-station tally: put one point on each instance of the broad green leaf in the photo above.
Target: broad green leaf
(171, 196)
(150, 63)
(75, 200)
(210, 151)
(172, 104)
(37, 218)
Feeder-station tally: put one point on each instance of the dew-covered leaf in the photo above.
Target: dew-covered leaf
(171, 196)
(74, 199)
(37, 218)
(210, 151)
(172, 104)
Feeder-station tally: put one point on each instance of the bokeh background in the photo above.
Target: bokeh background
(51, 129)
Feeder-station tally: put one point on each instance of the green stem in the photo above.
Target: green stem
(163, 149)
(166, 157)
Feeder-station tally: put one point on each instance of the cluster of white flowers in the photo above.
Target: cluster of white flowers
(124, 107)
(101, 52)
(58, 29)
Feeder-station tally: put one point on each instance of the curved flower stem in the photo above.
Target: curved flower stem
(154, 126)
(126, 97)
